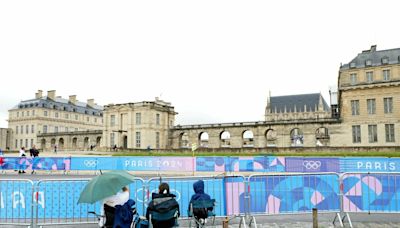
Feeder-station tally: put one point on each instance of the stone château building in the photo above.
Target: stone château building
(364, 112)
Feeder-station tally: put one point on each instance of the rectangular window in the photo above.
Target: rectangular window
(158, 119)
(17, 114)
(112, 120)
(44, 128)
(27, 129)
(356, 129)
(56, 129)
(22, 129)
(16, 130)
(87, 119)
(369, 76)
(56, 114)
(355, 107)
(31, 142)
(371, 104)
(372, 133)
(33, 129)
(22, 113)
(386, 75)
(112, 142)
(66, 116)
(95, 120)
(27, 113)
(138, 118)
(76, 117)
(137, 139)
(353, 79)
(21, 142)
(158, 140)
(33, 112)
(26, 143)
(45, 113)
(389, 132)
(388, 105)
(16, 143)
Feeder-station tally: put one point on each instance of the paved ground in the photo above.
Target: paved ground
(295, 221)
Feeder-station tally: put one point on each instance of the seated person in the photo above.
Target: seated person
(200, 213)
(161, 203)
(123, 216)
(107, 208)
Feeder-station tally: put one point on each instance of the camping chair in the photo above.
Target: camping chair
(204, 205)
(157, 216)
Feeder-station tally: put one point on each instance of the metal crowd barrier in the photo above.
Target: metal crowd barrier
(52, 202)
(16, 202)
(377, 192)
(57, 203)
(299, 193)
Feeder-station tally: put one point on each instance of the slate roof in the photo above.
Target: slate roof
(61, 104)
(376, 57)
(310, 100)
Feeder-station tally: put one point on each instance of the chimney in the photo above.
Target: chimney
(72, 99)
(90, 102)
(39, 94)
(373, 48)
(51, 94)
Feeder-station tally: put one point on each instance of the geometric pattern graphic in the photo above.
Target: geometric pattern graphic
(209, 164)
(293, 194)
(371, 192)
(37, 163)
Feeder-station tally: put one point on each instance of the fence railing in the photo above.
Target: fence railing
(54, 201)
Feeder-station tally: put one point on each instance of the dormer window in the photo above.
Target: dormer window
(385, 60)
(368, 63)
(352, 65)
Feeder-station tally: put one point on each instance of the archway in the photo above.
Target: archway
(203, 139)
(296, 137)
(248, 138)
(74, 143)
(322, 136)
(98, 141)
(225, 139)
(125, 142)
(271, 137)
(43, 144)
(86, 143)
(184, 140)
(61, 143)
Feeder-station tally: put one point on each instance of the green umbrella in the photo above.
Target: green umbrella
(105, 185)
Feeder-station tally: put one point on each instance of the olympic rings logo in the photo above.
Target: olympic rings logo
(312, 164)
(90, 163)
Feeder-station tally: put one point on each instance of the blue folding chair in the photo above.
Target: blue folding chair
(157, 216)
(203, 206)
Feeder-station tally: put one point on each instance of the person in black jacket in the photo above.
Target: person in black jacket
(161, 203)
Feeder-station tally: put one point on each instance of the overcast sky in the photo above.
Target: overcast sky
(215, 61)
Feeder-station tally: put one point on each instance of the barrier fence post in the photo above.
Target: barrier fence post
(315, 217)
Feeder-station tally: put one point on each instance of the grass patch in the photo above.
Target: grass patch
(242, 153)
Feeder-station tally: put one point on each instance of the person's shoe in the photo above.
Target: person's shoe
(23, 171)
(32, 172)
(19, 172)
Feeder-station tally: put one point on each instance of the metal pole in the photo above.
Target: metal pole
(315, 217)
